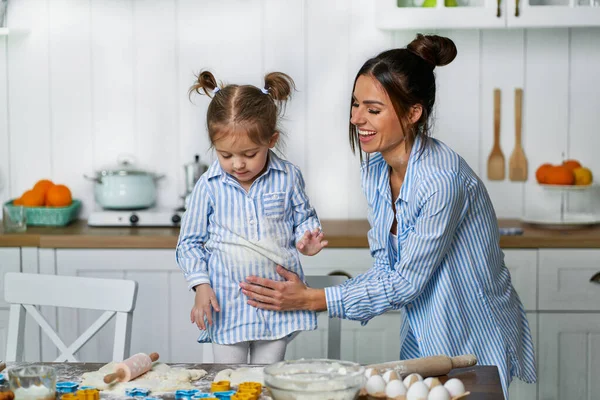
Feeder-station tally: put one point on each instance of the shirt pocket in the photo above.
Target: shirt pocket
(274, 205)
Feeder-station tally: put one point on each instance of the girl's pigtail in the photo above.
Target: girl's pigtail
(206, 81)
(279, 86)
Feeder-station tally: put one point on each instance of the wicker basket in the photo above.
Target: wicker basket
(49, 216)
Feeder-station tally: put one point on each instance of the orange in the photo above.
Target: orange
(560, 175)
(542, 172)
(58, 196)
(42, 185)
(583, 176)
(571, 164)
(31, 198)
(17, 202)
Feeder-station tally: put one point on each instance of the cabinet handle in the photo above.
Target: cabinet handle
(595, 278)
(498, 12)
(342, 273)
(516, 8)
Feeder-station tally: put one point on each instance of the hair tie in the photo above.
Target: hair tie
(265, 90)
(216, 89)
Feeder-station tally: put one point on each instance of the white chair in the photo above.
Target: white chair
(334, 329)
(114, 296)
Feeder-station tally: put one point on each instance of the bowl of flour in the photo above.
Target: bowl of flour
(312, 379)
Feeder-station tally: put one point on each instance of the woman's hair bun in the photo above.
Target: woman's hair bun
(436, 50)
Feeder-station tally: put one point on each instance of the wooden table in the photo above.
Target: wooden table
(482, 381)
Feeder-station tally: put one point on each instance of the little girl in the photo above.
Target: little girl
(247, 214)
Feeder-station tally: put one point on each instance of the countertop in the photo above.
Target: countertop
(482, 381)
(339, 233)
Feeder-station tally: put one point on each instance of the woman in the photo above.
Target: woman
(434, 234)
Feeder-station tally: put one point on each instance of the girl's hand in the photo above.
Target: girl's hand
(312, 242)
(205, 299)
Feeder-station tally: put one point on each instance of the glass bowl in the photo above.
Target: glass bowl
(310, 379)
(33, 382)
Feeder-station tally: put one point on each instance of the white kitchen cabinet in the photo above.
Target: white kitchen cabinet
(564, 280)
(569, 356)
(161, 318)
(522, 265)
(519, 390)
(553, 13)
(456, 14)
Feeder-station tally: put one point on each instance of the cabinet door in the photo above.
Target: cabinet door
(565, 280)
(518, 389)
(553, 13)
(161, 317)
(569, 356)
(439, 14)
(522, 265)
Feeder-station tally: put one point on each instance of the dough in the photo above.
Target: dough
(160, 379)
(239, 375)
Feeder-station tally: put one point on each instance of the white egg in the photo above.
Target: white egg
(427, 382)
(455, 387)
(395, 388)
(439, 393)
(375, 384)
(417, 391)
(390, 375)
(368, 372)
(412, 378)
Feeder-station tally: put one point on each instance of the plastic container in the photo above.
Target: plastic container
(48, 216)
(310, 379)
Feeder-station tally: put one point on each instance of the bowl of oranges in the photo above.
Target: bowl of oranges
(569, 175)
(47, 204)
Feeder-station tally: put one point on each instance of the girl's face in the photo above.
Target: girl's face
(240, 157)
(379, 129)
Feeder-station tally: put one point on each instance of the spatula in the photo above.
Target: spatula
(495, 166)
(517, 165)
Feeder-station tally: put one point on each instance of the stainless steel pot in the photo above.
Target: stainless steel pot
(125, 187)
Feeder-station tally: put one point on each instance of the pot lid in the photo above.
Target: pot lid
(125, 166)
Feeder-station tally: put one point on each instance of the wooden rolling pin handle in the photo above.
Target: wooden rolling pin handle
(153, 356)
(2, 366)
(120, 374)
(466, 360)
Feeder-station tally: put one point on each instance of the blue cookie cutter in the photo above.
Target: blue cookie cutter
(203, 396)
(86, 387)
(223, 395)
(186, 394)
(66, 387)
(2, 378)
(137, 392)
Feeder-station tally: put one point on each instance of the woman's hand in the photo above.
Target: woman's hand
(205, 300)
(282, 296)
(312, 242)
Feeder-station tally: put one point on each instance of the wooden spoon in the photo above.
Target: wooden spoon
(495, 166)
(517, 165)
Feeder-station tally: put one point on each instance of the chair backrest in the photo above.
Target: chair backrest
(25, 291)
(334, 330)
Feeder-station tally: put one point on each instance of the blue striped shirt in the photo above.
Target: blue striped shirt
(445, 271)
(228, 234)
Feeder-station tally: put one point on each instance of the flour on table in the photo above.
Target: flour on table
(160, 379)
(239, 375)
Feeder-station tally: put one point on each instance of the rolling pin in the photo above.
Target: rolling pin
(131, 368)
(428, 366)
(2, 366)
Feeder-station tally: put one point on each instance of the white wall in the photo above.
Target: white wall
(94, 79)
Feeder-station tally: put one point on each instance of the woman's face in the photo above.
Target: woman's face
(379, 129)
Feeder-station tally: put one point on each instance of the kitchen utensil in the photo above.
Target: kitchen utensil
(428, 366)
(132, 367)
(34, 382)
(2, 366)
(495, 167)
(517, 8)
(125, 187)
(193, 171)
(314, 379)
(517, 165)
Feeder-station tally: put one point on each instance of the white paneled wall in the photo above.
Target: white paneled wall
(97, 78)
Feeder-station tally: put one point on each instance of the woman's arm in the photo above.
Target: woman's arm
(292, 294)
